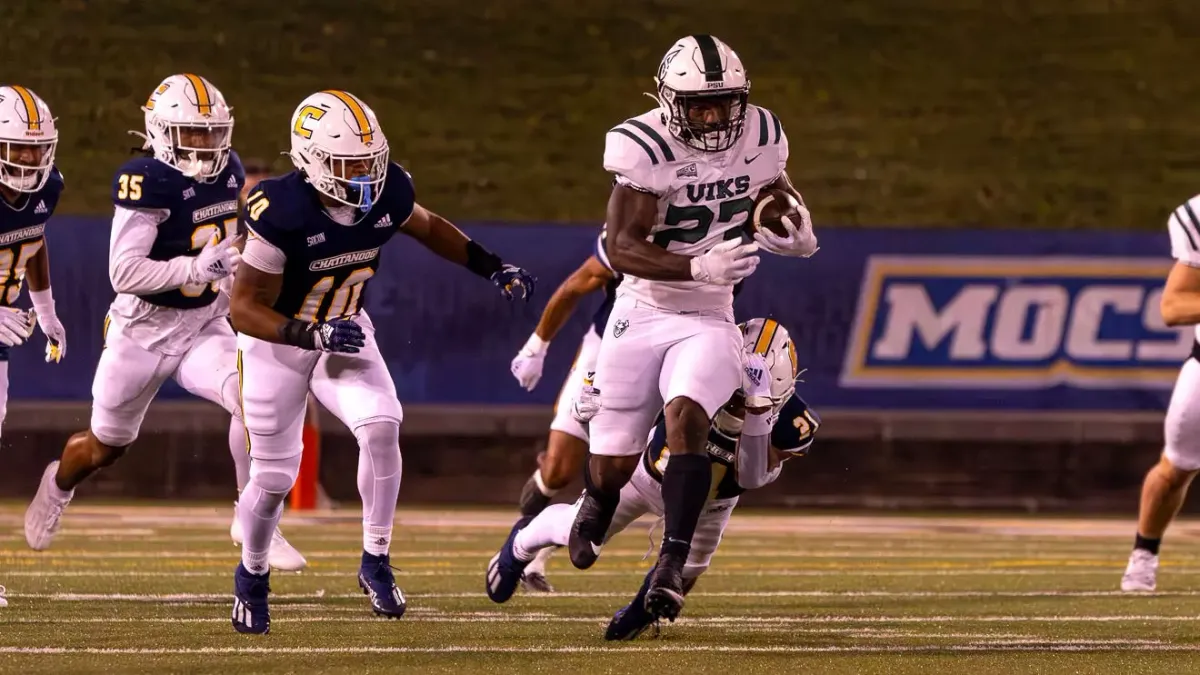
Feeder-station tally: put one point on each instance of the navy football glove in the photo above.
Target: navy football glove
(510, 277)
(338, 335)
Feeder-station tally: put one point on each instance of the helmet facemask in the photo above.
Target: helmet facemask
(199, 150)
(25, 165)
(685, 111)
(352, 180)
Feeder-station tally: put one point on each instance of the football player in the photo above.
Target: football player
(30, 185)
(686, 176)
(172, 245)
(1167, 482)
(567, 443)
(315, 241)
(764, 423)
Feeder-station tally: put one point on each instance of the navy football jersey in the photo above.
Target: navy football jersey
(328, 264)
(22, 235)
(793, 433)
(196, 210)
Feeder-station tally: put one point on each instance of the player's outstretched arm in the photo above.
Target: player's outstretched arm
(441, 236)
(37, 271)
(1181, 296)
(591, 276)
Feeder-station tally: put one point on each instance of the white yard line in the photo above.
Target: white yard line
(571, 573)
(192, 597)
(995, 645)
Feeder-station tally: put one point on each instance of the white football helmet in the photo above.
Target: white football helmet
(189, 126)
(700, 70)
(338, 145)
(772, 341)
(28, 138)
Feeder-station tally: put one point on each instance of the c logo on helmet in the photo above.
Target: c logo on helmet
(162, 89)
(306, 120)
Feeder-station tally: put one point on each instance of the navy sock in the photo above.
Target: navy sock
(685, 489)
(1145, 544)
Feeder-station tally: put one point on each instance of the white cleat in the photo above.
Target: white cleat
(45, 511)
(283, 556)
(1141, 573)
(3, 600)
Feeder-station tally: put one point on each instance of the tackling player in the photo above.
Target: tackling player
(764, 423)
(172, 244)
(315, 240)
(30, 185)
(686, 175)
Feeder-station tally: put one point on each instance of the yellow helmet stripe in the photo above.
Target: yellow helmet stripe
(203, 98)
(32, 114)
(792, 354)
(365, 132)
(765, 336)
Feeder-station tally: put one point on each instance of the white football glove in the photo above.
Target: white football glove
(217, 260)
(56, 335)
(586, 404)
(726, 263)
(800, 241)
(16, 325)
(527, 365)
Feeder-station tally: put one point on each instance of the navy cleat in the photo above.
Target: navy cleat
(632, 620)
(588, 531)
(375, 578)
(664, 598)
(250, 611)
(504, 571)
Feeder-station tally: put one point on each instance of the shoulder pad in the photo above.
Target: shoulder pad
(765, 131)
(796, 426)
(146, 183)
(399, 193)
(272, 208)
(641, 153)
(1184, 227)
(236, 168)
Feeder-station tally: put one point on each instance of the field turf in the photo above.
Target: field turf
(147, 589)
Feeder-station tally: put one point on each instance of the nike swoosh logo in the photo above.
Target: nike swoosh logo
(595, 548)
(751, 159)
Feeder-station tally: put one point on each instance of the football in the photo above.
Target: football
(770, 208)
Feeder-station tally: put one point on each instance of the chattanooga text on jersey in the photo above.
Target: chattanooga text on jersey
(994, 322)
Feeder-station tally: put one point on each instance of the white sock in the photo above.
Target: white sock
(538, 565)
(238, 450)
(551, 527)
(260, 507)
(379, 471)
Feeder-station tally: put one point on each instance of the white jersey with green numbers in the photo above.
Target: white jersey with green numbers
(704, 198)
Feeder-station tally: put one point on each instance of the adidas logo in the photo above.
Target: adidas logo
(232, 182)
(386, 221)
(41, 207)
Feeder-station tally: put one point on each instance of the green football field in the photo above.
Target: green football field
(148, 589)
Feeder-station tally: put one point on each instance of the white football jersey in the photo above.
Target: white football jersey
(1184, 226)
(703, 197)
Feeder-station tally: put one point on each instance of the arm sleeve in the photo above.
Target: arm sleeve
(752, 459)
(129, 268)
(1184, 226)
(263, 255)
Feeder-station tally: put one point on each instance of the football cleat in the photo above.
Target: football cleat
(587, 532)
(1141, 573)
(250, 611)
(45, 511)
(664, 599)
(632, 620)
(3, 599)
(282, 555)
(504, 571)
(375, 578)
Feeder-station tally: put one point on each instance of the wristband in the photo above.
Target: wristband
(482, 261)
